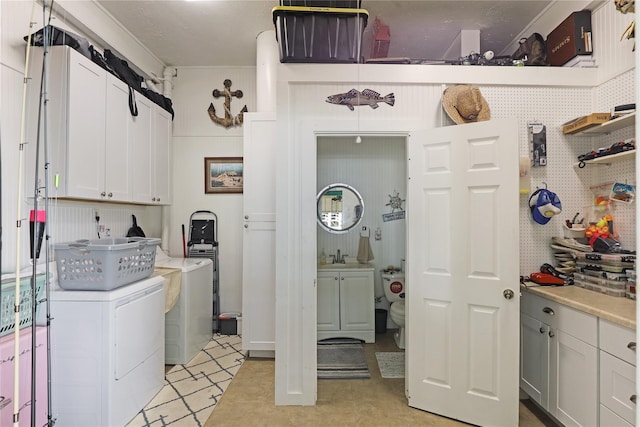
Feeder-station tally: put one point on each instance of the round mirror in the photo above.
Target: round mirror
(340, 208)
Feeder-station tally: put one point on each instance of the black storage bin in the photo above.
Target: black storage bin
(351, 4)
(317, 35)
(381, 321)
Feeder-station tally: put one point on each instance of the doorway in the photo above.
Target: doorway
(375, 165)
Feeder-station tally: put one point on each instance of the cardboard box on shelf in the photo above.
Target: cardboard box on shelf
(571, 38)
(585, 122)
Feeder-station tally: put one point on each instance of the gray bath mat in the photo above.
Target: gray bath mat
(341, 359)
(391, 364)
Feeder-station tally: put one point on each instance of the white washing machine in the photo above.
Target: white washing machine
(188, 324)
(107, 358)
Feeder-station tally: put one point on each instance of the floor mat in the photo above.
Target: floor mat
(342, 359)
(391, 364)
(193, 390)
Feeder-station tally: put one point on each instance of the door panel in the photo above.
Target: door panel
(462, 210)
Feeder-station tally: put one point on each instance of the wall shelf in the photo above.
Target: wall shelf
(608, 160)
(610, 126)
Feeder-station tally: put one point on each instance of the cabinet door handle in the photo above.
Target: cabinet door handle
(341, 278)
(633, 398)
(246, 226)
(110, 195)
(632, 346)
(542, 330)
(335, 278)
(103, 194)
(552, 334)
(548, 310)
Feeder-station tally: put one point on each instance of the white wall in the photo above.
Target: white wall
(196, 136)
(377, 169)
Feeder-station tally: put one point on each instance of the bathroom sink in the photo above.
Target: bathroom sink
(348, 265)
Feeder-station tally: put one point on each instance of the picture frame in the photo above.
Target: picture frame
(223, 175)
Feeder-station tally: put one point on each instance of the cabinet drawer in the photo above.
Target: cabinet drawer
(617, 385)
(576, 323)
(618, 341)
(610, 419)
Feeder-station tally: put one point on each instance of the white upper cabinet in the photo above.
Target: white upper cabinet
(98, 150)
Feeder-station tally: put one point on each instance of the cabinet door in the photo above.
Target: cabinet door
(259, 286)
(617, 386)
(142, 161)
(328, 301)
(117, 159)
(162, 156)
(573, 391)
(357, 311)
(86, 127)
(534, 359)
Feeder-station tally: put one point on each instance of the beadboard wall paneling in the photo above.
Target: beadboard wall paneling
(377, 169)
(193, 93)
(613, 56)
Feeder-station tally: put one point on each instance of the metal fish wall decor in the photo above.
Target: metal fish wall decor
(355, 98)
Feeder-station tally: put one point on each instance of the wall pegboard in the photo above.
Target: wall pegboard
(553, 107)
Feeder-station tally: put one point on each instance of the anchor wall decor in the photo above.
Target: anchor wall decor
(228, 120)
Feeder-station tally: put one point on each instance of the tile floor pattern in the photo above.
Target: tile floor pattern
(249, 400)
(193, 390)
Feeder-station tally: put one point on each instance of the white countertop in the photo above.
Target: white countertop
(619, 310)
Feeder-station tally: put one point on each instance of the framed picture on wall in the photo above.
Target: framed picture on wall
(223, 175)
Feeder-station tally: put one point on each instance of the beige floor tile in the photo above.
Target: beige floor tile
(249, 400)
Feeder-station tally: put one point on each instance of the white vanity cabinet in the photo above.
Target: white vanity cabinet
(559, 360)
(346, 304)
(617, 375)
(98, 150)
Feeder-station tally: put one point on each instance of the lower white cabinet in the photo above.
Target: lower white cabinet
(346, 304)
(559, 360)
(617, 375)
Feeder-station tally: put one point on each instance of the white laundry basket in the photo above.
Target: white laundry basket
(104, 264)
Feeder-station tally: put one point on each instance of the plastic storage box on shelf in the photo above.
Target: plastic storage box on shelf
(355, 4)
(7, 318)
(319, 35)
(104, 264)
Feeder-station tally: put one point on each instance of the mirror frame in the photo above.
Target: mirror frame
(318, 208)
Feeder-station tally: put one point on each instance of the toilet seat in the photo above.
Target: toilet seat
(397, 309)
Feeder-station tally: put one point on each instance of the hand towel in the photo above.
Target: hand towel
(364, 250)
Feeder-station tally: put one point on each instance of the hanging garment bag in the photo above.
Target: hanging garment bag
(60, 37)
(127, 75)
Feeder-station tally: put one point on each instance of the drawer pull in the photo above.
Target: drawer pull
(552, 334)
(633, 398)
(548, 310)
(632, 346)
(542, 330)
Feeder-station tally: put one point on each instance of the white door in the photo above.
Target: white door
(463, 277)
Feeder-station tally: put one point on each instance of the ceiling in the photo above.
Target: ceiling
(223, 32)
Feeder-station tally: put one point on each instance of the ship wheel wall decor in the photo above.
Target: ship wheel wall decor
(228, 120)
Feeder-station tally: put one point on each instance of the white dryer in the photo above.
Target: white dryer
(107, 360)
(188, 324)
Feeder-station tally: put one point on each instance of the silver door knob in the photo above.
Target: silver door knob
(542, 330)
(508, 293)
(246, 226)
(631, 346)
(552, 334)
(246, 217)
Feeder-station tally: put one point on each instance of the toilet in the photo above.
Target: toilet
(394, 290)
